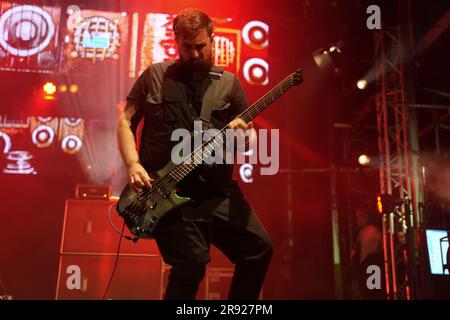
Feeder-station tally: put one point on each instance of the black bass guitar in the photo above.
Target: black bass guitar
(143, 209)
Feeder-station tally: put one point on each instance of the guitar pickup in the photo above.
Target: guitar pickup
(151, 205)
(163, 192)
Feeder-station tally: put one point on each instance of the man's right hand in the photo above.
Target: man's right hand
(139, 178)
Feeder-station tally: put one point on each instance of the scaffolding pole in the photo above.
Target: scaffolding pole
(397, 166)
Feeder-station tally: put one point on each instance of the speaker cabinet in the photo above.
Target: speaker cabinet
(86, 277)
(87, 229)
(88, 253)
(217, 283)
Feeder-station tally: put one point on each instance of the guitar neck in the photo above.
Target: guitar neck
(259, 106)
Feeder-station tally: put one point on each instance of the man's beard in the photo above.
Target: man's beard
(196, 69)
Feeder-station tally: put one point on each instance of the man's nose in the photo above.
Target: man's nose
(195, 53)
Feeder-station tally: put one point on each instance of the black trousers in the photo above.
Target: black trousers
(227, 222)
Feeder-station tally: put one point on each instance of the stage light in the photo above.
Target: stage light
(387, 203)
(379, 205)
(73, 88)
(364, 160)
(329, 56)
(334, 48)
(62, 88)
(49, 88)
(361, 84)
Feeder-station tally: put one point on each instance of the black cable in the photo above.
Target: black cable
(135, 239)
(115, 264)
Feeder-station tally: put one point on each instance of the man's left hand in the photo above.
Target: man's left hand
(239, 123)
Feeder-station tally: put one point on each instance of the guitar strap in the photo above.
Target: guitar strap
(208, 101)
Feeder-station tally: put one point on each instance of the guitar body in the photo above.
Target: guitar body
(142, 217)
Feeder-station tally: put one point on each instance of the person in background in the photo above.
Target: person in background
(366, 252)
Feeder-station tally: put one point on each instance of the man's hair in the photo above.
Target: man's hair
(189, 21)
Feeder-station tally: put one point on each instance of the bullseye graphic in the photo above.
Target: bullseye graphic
(26, 30)
(256, 71)
(246, 173)
(43, 136)
(256, 34)
(71, 144)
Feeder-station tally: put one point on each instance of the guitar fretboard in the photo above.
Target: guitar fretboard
(196, 157)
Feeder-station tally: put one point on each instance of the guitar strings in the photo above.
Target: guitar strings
(276, 92)
(184, 169)
(181, 170)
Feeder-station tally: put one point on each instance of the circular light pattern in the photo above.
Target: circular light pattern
(71, 144)
(256, 71)
(7, 139)
(43, 136)
(256, 34)
(26, 30)
(246, 172)
(72, 122)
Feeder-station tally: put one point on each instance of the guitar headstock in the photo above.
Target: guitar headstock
(297, 76)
